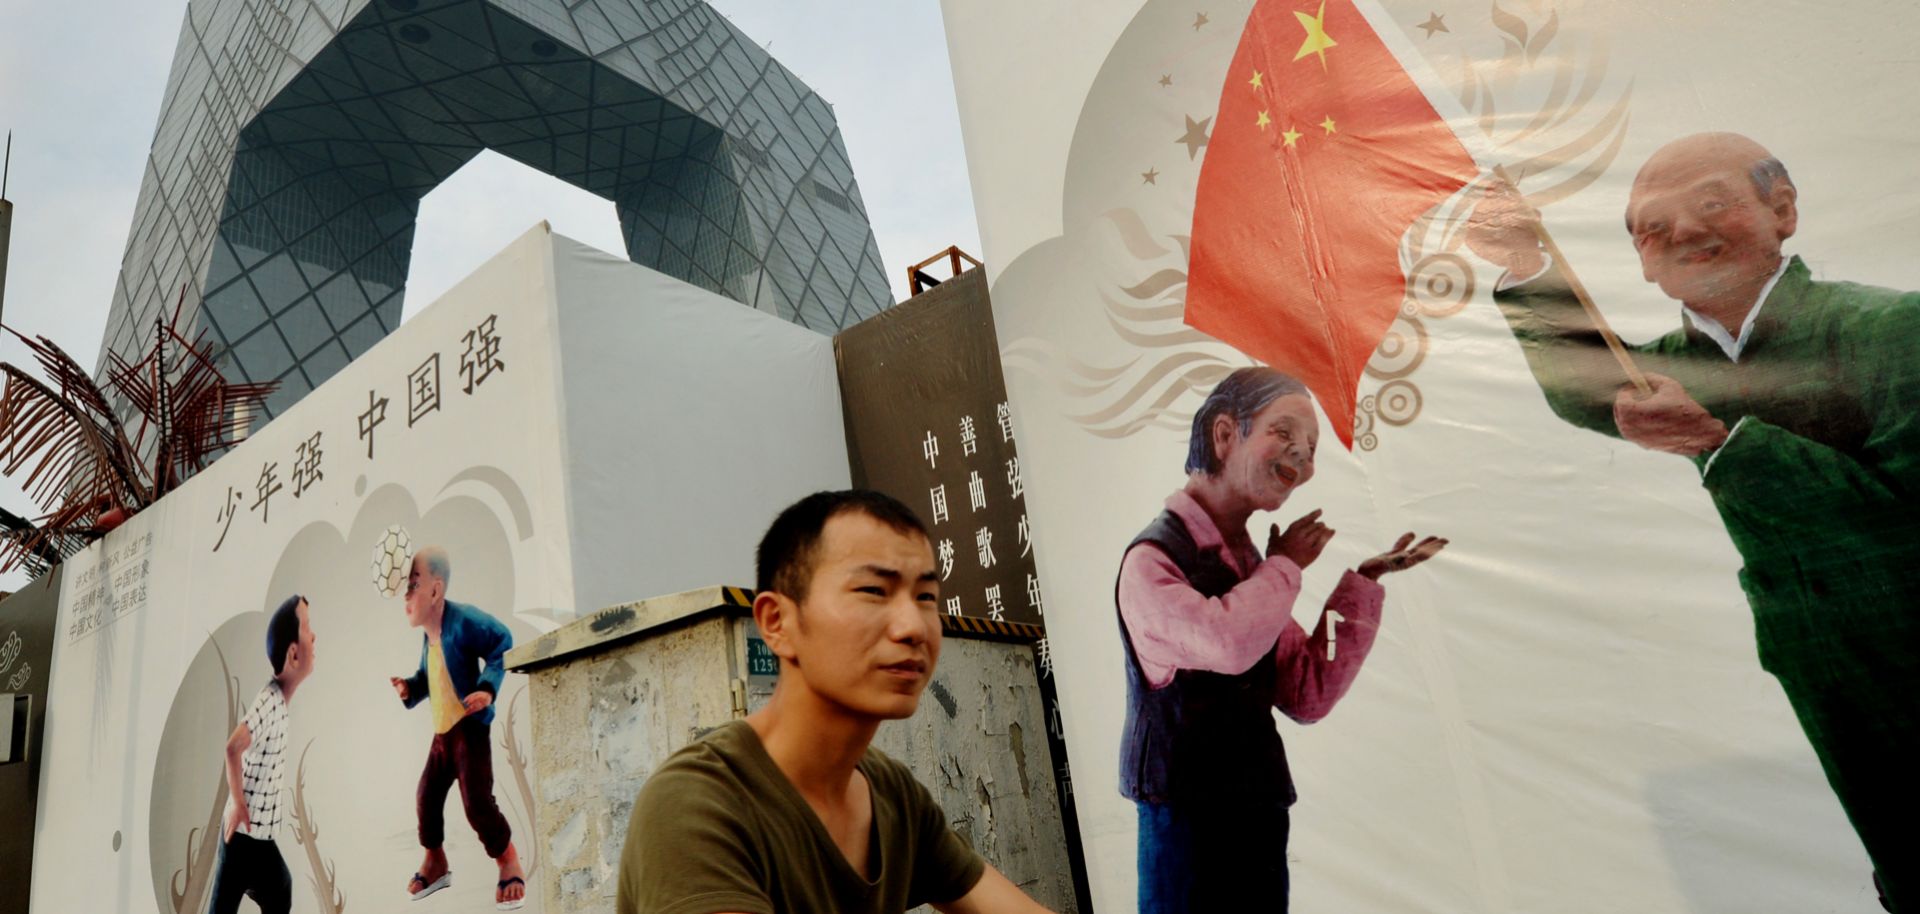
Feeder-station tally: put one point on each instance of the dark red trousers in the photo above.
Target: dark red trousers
(463, 754)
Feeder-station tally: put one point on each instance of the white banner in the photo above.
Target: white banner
(564, 424)
(1565, 709)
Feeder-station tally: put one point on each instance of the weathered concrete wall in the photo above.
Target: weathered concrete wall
(608, 713)
(601, 724)
(979, 743)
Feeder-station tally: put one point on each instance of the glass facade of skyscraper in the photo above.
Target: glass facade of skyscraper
(293, 151)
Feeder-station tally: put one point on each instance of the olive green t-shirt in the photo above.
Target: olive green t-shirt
(720, 829)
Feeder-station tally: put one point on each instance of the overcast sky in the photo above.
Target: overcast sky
(81, 86)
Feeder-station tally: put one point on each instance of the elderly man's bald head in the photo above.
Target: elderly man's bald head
(1717, 148)
(427, 585)
(1712, 151)
(1708, 214)
(433, 560)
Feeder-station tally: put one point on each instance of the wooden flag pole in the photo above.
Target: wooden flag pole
(1619, 349)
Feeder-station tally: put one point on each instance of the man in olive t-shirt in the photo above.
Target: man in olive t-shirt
(791, 811)
(739, 837)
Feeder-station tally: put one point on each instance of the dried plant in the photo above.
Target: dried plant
(518, 760)
(95, 469)
(189, 885)
(180, 398)
(40, 554)
(322, 876)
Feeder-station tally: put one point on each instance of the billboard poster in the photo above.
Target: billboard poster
(1466, 444)
(278, 685)
(282, 684)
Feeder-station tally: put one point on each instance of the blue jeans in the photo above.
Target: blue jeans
(1207, 859)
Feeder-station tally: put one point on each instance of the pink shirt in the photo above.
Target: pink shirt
(1173, 627)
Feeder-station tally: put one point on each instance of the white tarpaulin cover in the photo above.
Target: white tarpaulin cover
(575, 430)
(1576, 705)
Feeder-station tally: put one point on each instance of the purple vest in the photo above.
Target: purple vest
(1204, 737)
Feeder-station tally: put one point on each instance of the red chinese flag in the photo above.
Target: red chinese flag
(1323, 154)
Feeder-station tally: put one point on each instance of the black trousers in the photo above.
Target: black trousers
(253, 868)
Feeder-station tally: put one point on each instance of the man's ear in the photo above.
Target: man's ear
(773, 612)
(1785, 204)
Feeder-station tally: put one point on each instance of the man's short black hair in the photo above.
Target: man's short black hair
(784, 562)
(1241, 396)
(283, 629)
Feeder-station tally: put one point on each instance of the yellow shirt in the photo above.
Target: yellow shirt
(447, 709)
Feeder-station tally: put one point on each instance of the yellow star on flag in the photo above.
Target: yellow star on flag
(1255, 81)
(1263, 121)
(1318, 41)
(1327, 124)
(1290, 135)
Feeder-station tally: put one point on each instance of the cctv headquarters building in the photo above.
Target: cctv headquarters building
(296, 140)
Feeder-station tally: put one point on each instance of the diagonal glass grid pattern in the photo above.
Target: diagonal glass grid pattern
(286, 194)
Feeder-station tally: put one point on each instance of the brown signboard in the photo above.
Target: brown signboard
(927, 422)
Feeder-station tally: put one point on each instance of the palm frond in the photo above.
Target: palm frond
(73, 381)
(77, 453)
(37, 547)
(67, 454)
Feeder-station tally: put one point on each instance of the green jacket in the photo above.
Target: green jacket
(1815, 484)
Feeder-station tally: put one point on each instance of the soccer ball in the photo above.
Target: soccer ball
(390, 564)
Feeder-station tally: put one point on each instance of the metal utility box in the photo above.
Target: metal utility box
(615, 693)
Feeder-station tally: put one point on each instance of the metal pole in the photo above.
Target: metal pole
(1619, 349)
(6, 222)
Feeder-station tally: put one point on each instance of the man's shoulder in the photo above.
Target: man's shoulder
(468, 615)
(469, 612)
(714, 746)
(1874, 300)
(1854, 321)
(706, 788)
(707, 769)
(1843, 298)
(698, 832)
